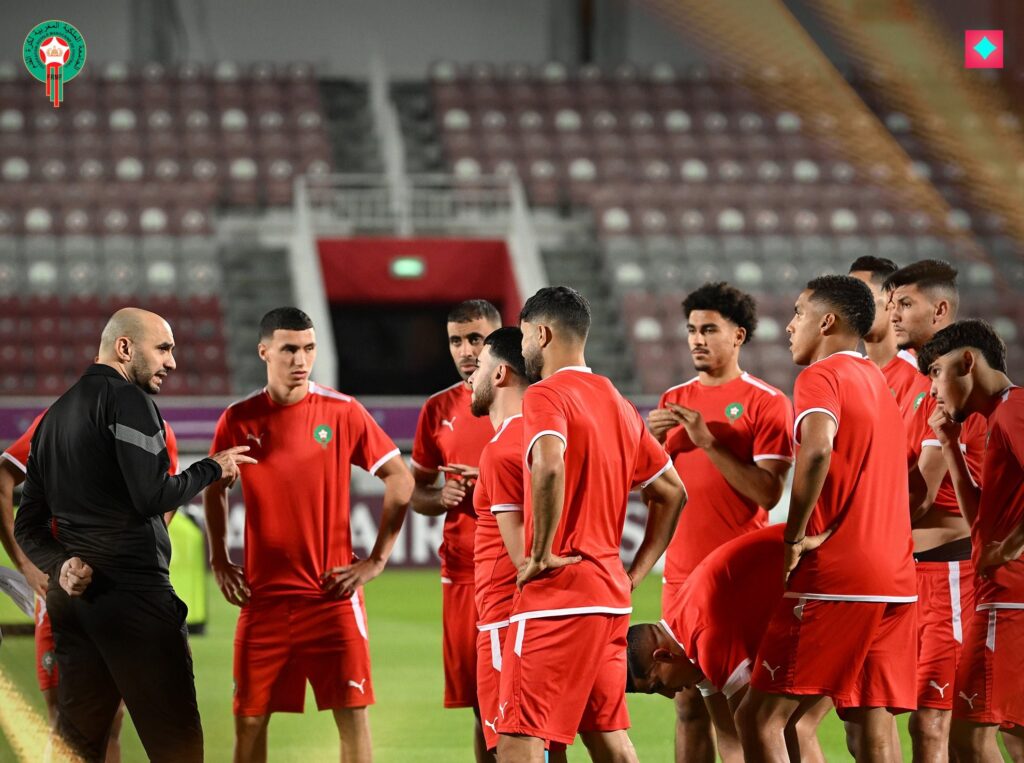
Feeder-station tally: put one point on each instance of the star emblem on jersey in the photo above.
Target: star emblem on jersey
(918, 399)
(323, 434)
(48, 662)
(733, 411)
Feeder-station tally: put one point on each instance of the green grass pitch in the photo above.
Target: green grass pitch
(409, 723)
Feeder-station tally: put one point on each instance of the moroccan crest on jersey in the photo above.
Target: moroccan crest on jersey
(49, 661)
(733, 411)
(54, 53)
(918, 399)
(323, 434)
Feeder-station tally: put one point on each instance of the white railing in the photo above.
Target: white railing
(389, 136)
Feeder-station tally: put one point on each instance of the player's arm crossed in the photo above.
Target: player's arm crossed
(817, 434)
(398, 490)
(665, 497)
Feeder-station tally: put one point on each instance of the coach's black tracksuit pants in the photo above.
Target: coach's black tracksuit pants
(132, 645)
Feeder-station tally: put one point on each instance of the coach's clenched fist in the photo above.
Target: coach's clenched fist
(75, 576)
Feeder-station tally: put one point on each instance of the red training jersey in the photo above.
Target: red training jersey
(447, 432)
(905, 382)
(865, 497)
(297, 495)
(972, 443)
(499, 489)
(1001, 508)
(608, 452)
(721, 612)
(754, 421)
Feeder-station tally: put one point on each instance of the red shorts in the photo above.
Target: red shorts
(561, 675)
(282, 642)
(945, 594)
(458, 602)
(489, 646)
(988, 681)
(861, 654)
(46, 657)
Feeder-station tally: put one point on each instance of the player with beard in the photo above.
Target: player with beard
(899, 367)
(449, 439)
(925, 300)
(564, 664)
(845, 626)
(730, 433)
(967, 366)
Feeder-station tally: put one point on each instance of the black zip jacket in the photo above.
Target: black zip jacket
(98, 467)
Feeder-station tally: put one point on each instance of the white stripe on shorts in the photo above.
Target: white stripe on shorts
(520, 633)
(357, 611)
(954, 600)
(495, 650)
(990, 638)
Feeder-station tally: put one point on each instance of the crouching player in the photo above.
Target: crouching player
(967, 365)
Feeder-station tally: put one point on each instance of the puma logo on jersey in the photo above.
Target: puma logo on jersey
(361, 685)
(769, 668)
(501, 709)
(255, 439)
(449, 424)
(940, 689)
(969, 700)
(493, 725)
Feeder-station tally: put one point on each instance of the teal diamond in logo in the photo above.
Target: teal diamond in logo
(985, 48)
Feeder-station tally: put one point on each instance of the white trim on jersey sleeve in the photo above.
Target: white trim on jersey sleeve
(800, 418)
(851, 597)
(933, 443)
(14, 461)
(569, 611)
(773, 457)
(545, 433)
(706, 688)
(657, 474)
(383, 460)
(423, 468)
(501, 508)
(999, 605)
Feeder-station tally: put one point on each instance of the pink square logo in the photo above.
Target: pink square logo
(983, 49)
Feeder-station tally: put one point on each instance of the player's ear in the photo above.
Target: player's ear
(741, 336)
(546, 335)
(828, 320)
(500, 375)
(262, 349)
(661, 654)
(967, 362)
(123, 347)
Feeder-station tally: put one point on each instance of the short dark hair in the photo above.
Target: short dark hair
(849, 297)
(561, 304)
(639, 648)
(972, 332)
(474, 310)
(284, 318)
(924, 274)
(880, 268)
(507, 347)
(731, 303)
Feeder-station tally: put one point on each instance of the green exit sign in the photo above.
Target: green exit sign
(408, 267)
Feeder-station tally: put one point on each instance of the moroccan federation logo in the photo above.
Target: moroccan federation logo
(54, 53)
(323, 434)
(49, 661)
(917, 400)
(733, 411)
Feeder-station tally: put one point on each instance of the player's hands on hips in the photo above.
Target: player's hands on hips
(695, 426)
(36, 578)
(660, 420)
(229, 461)
(531, 568)
(995, 555)
(231, 581)
(794, 552)
(75, 576)
(946, 430)
(343, 581)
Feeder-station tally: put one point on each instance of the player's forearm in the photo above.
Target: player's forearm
(967, 493)
(548, 485)
(1013, 543)
(10, 545)
(426, 500)
(510, 525)
(808, 479)
(215, 507)
(397, 492)
(663, 515)
(749, 480)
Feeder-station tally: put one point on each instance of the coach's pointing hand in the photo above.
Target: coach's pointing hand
(343, 581)
(229, 459)
(75, 576)
(531, 568)
(231, 581)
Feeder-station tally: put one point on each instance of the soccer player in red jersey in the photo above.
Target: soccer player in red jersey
(12, 473)
(564, 664)
(966, 363)
(498, 385)
(925, 300)
(731, 434)
(300, 590)
(710, 633)
(899, 367)
(449, 439)
(845, 628)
